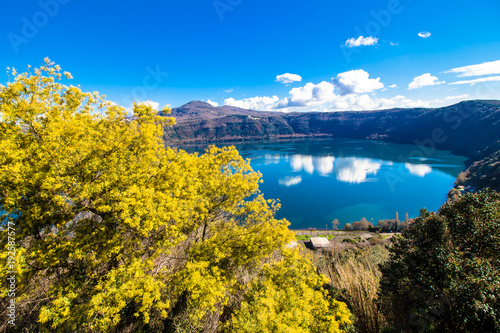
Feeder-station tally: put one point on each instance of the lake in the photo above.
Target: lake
(320, 180)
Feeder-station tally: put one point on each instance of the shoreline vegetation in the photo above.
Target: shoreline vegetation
(106, 229)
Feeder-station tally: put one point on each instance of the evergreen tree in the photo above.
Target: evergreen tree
(443, 274)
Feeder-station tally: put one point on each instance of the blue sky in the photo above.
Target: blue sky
(348, 54)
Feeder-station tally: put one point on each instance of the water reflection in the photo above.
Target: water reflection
(290, 181)
(352, 170)
(301, 162)
(356, 170)
(318, 181)
(419, 170)
(272, 159)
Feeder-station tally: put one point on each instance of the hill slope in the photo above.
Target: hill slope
(470, 128)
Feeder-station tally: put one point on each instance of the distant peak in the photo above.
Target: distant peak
(198, 104)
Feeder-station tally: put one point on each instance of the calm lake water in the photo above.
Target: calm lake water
(318, 181)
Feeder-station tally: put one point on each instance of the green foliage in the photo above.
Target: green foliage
(444, 271)
(355, 240)
(307, 237)
(115, 231)
(303, 237)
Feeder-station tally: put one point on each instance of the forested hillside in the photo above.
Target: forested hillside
(470, 128)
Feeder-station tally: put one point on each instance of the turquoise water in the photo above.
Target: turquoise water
(318, 181)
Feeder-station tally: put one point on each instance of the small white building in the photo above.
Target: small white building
(320, 243)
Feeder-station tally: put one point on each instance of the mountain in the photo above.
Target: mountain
(470, 128)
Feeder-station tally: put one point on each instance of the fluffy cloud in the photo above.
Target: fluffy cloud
(424, 34)
(484, 79)
(366, 102)
(356, 82)
(288, 78)
(349, 91)
(310, 94)
(261, 103)
(212, 103)
(154, 105)
(463, 97)
(393, 86)
(424, 80)
(486, 68)
(361, 41)
(303, 99)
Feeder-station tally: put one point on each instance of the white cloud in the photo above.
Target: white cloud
(448, 98)
(361, 41)
(212, 103)
(424, 34)
(366, 102)
(288, 78)
(310, 94)
(484, 79)
(261, 103)
(304, 99)
(290, 181)
(393, 44)
(423, 81)
(419, 170)
(154, 105)
(350, 91)
(356, 82)
(229, 90)
(486, 68)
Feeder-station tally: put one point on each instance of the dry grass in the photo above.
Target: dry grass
(356, 278)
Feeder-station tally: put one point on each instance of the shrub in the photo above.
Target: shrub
(443, 272)
(115, 231)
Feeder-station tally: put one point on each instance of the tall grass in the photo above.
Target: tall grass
(355, 277)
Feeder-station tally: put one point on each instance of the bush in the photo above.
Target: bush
(117, 232)
(443, 272)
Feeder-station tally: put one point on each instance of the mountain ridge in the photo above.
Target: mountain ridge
(469, 128)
